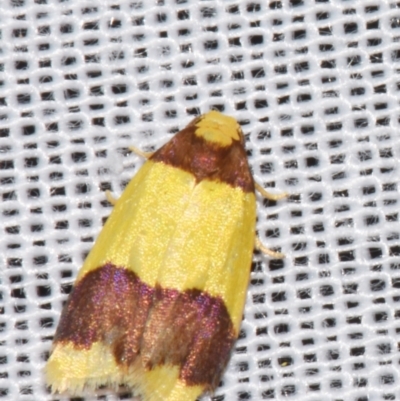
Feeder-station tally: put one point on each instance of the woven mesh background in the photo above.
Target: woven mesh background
(315, 85)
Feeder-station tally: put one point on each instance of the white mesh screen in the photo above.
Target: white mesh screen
(315, 85)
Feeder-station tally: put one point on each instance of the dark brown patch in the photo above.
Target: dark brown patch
(190, 329)
(207, 160)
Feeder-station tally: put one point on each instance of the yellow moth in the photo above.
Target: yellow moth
(158, 303)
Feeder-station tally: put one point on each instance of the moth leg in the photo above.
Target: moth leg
(258, 244)
(268, 195)
(267, 251)
(145, 155)
(111, 198)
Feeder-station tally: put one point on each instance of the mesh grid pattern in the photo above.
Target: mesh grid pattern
(316, 87)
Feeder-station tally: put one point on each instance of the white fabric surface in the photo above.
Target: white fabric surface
(315, 85)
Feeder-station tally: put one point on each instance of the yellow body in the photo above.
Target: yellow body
(177, 233)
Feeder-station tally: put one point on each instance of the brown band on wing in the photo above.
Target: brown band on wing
(155, 326)
(207, 160)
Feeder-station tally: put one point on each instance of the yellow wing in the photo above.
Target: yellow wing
(180, 235)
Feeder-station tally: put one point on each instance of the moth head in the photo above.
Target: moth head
(218, 128)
